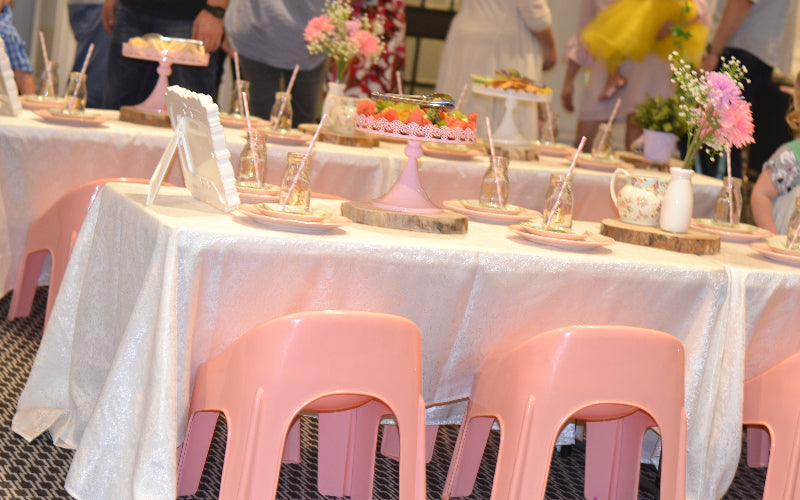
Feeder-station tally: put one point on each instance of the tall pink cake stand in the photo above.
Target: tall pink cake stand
(156, 102)
(407, 194)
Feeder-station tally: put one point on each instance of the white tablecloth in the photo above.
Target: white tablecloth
(152, 292)
(40, 161)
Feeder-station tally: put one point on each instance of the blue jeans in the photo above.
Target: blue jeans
(130, 81)
(88, 28)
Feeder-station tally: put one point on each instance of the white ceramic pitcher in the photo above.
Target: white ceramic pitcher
(637, 197)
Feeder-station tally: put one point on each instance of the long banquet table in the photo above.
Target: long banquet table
(141, 307)
(41, 161)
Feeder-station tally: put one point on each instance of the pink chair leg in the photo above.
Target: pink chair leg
(390, 444)
(291, 450)
(365, 444)
(334, 452)
(757, 447)
(25, 285)
(193, 452)
(467, 456)
(613, 456)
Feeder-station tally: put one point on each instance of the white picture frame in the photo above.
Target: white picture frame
(200, 142)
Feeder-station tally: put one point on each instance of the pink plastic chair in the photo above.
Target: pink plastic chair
(770, 400)
(323, 361)
(585, 372)
(54, 232)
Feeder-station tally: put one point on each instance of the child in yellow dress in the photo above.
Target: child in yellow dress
(629, 29)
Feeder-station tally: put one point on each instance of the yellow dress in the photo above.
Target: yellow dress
(628, 29)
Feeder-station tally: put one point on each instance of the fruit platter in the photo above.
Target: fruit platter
(416, 119)
(407, 120)
(511, 86)
(510, 83)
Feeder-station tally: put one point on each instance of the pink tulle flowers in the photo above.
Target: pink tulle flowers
(712, 106)
(343, 36)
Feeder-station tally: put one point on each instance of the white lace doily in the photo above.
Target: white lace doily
(415, 131)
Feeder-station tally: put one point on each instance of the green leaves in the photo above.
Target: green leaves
(661, 114)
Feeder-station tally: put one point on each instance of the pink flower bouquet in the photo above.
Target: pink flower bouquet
(712, 106)
(342, 36)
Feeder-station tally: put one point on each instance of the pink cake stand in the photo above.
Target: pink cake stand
(155, 102)
(407, 195)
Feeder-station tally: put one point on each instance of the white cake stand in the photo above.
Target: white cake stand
(407, 194)
(507, 132)
(156, 102)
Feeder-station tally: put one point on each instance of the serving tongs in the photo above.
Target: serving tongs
(442, 101)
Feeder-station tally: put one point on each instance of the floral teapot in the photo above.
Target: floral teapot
(637, 197)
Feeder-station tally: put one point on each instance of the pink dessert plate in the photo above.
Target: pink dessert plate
(586, 161)
(591, 241)
(559, 150)
(274, 210)
(84, 120)
(537, 228)
(743, 233)
(449, 151)
(34, 102)
(772, 253)
(507, 210)
(233, 121)
(494, 217)
(285, 137)
(323, 226)
(267, 194)
(778, 244)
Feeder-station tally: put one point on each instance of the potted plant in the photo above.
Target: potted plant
(662, 126)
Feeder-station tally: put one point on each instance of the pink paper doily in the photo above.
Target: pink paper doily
(414, 131)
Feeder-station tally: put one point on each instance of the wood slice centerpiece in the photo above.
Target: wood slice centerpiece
(365, 212)
(693, 241)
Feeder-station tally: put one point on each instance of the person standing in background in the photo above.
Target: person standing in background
(362, 79)
(268, 35)
(651, 76)
(85, 18)
(755, 32)
(130, 81)
(489, 35)
(16, 50)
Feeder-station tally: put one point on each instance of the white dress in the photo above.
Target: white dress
(487, 35)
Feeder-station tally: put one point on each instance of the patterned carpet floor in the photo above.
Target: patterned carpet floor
(37, 470)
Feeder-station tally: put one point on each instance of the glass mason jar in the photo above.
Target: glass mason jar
(48, 82)
(252, 171)
(601, 146)
(494, 186)
(728, 206)
(75, 95)
(793, 231)
(549, 133)
(561, 217)
(296, 184)
(281, 120)
(237, 106)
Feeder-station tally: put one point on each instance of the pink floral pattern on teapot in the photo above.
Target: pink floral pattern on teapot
(638, 198)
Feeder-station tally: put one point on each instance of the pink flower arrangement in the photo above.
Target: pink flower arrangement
(342, 36)
(712, 107)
